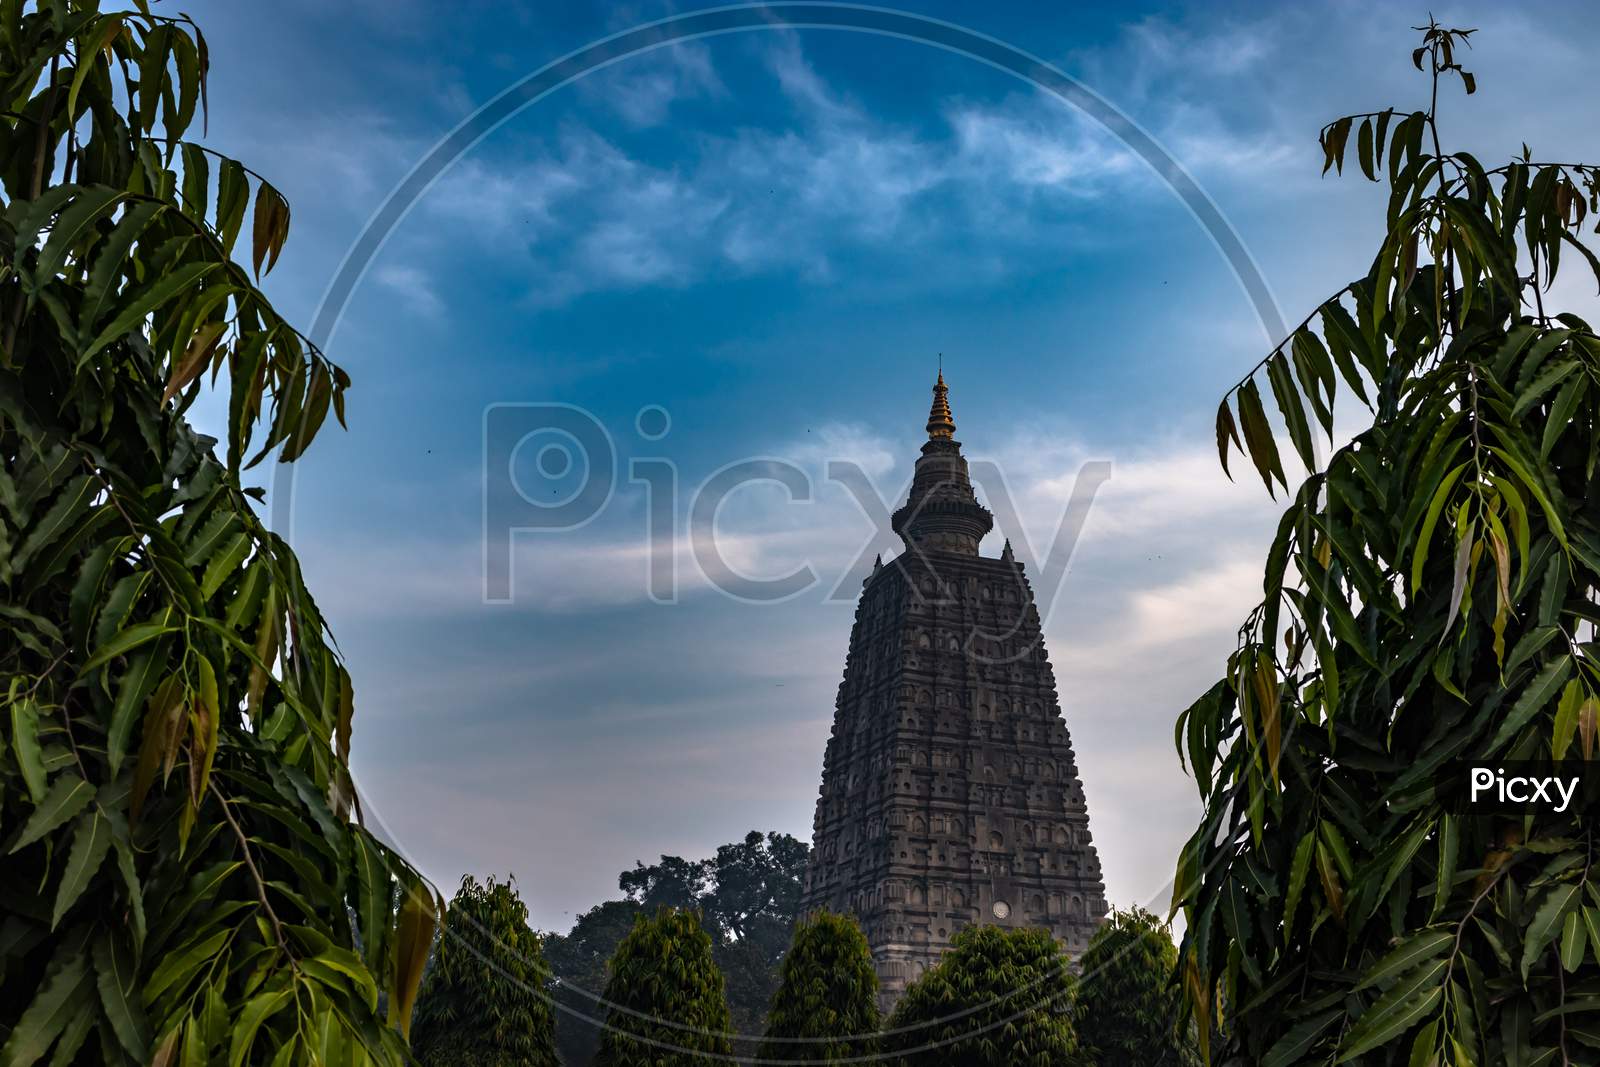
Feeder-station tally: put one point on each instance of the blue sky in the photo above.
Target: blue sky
(771, 236)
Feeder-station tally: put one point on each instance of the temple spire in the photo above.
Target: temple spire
(940, 422)
(942, 513)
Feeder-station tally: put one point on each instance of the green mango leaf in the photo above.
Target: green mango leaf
(1574, 939)
(126, 641)
(117, 979)
(180, 964)
(140, 304)
(1546, 923)
(1407, 1003)
(75, 222)
(63, 995)
(91, 840)
(1409, 954)
(25, 746)
(1545, 685)
(1298, 869)
(1258, 436)
(1430, 519)
(1293, 1047)
(68, 795)
(255, 1012)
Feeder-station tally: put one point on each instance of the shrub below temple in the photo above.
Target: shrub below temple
(828, 995)
(1130, 1009)
(665, 997)
(999, 998)
(485, 1001)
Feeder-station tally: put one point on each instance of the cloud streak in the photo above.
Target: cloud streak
(586, 212)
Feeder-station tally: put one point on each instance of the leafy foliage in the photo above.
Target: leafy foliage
(1429, 597)
(175, 801)
(750, 910)
(999, 998)
(1129, 1006)
(667, 1007)
(484, 1000)
(579, 959)
(828, 996)
(748, 896)
(673, 883)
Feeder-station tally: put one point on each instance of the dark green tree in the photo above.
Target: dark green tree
(751, 910)
(185, 874)
(485, 1000)
(755, 886)
(999, 998)
(665, 999)
(828, 996)
(1130, 1009)
(674, 882)
(579, 959)
(1430, 597)
(748, 896)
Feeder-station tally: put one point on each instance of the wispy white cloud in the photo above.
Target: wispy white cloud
(644, 91)
(586, 213)
(413, 289)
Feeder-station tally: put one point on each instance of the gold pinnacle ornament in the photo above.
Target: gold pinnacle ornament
(940, 423)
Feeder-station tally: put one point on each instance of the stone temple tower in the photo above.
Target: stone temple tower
(950, 794)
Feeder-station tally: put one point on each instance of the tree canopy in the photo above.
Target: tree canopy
(664, 996)
(826, 1005)
(998, 998)
(175, 800)
(748, 896)
(1129, 1006)
(1429, 598)
(485, 999)
(578, 958)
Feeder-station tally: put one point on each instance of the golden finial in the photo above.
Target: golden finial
(940, 422)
